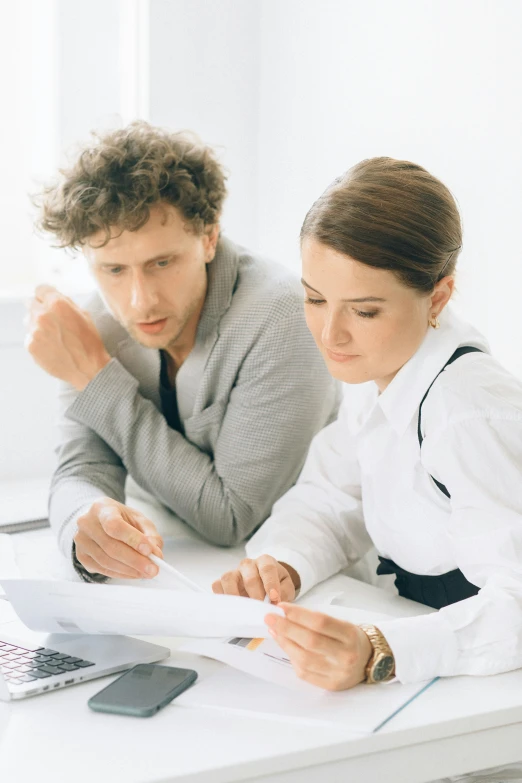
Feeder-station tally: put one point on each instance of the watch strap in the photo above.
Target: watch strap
(381, 650)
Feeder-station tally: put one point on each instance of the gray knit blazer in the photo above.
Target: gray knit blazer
(251, 395)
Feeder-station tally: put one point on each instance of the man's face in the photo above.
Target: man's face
(153, 280)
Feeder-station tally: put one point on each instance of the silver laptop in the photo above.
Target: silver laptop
(27, 668)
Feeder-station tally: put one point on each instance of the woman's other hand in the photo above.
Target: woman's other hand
(260, 577)
(326, 652)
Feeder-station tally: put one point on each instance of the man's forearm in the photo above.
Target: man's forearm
(69, 499)
(86, 472)
(276, 406)
(160, 459)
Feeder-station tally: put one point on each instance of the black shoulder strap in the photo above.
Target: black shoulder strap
(458, 353)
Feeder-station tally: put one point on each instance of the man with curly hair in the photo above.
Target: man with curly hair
(192, 369)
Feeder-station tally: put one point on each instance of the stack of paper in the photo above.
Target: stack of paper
(276, 691)
(361, 710)
(228, 628)
(77, 607)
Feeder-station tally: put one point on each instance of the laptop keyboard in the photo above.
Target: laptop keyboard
(20, 664)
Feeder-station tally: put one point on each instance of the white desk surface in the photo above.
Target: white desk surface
(457, 725)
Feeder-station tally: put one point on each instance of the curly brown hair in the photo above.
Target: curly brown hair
(117, 179)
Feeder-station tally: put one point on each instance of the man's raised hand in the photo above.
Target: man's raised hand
(62, 339)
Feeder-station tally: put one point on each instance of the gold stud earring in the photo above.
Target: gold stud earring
(434, 322)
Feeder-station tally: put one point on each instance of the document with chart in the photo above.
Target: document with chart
(274, 690)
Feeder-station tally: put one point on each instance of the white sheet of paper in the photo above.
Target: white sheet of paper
(360, 710)
(274, 690)
(72, 607)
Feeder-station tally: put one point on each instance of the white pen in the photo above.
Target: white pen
(167, 568)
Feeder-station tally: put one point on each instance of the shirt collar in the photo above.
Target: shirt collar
(222, 276)
(400, 401)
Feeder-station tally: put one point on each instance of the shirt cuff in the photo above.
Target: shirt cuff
(68, 547)
(83, 573)
(292, 558)
(423, 647)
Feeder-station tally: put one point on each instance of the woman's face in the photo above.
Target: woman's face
(366, 323)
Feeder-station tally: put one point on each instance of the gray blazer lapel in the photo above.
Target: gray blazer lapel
(144, 365)
(191, 391)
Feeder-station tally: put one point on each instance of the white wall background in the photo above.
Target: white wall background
(205, 60)
(293, 92)
(437, 82)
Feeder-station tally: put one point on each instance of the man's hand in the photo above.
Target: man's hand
(260, 577)
(115, 540)
(324, 651)
(63, 340)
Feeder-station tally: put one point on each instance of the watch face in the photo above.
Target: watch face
(383, 668)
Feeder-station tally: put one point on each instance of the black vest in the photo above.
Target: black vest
(435, 591)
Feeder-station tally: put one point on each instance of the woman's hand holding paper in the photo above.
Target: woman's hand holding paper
(326, 652)
(258, 578)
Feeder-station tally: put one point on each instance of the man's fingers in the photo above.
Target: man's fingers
(99, 561)
(114, 524)
(35, 311)
(92, 567)
(86, 545)
(156, 540)
(47, 294)
(116, 549)
(142, 523)
(43, 291)
(252, 581)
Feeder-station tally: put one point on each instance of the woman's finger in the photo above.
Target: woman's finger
(232, 583)
(331, 648)
(268, 569)
(287, 588)
(252, 581)
(304, 662)
(319, 622)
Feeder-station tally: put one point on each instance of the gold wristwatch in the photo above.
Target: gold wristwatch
(381, 666)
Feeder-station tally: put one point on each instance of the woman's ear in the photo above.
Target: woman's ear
(441, 295)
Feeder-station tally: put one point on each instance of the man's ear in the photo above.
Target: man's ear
(211, 240)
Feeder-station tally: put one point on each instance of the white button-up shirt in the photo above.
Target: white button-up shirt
(366, 479)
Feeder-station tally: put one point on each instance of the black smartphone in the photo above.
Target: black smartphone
(143, 690)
